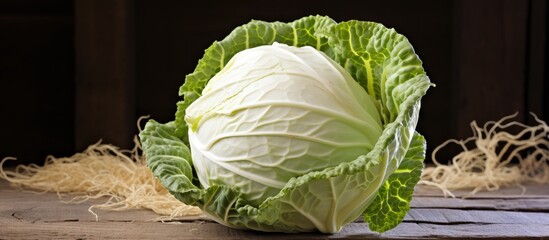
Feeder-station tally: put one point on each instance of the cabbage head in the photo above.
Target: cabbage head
(296, 127)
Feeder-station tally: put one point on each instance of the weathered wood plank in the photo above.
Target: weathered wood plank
(105, 73)
(25, 215)
(488, 57)
(520, 204)
(453, 216)
(529, 191)
(484, 231)
(209, 230)
(31, 207)
(537, 61)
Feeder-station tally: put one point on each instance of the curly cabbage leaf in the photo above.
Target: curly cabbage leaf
(377, 184)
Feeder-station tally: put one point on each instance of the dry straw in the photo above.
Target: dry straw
(102, 170)
(494, 157)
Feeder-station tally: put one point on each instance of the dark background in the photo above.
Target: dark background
(74, 72)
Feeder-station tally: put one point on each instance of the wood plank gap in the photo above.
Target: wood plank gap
(449, 223)
(489, 209)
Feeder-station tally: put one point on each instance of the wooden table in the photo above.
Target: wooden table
(506, 214)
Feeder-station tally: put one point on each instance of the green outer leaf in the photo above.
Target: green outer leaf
(386, 66)
(256, 33)
(378, 58)
(393, 198)
(170, 160)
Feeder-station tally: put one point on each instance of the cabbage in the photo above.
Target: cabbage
(274, 113)
(296, 127)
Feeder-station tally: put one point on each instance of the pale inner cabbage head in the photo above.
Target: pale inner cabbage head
(275, 112)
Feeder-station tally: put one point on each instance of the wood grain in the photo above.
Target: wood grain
(489, 52)
(538, 60)
(529, 191)
(27, 215)
(513, 204)
(104, 83)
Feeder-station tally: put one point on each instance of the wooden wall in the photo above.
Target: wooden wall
(36, 79)
(74, 72)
